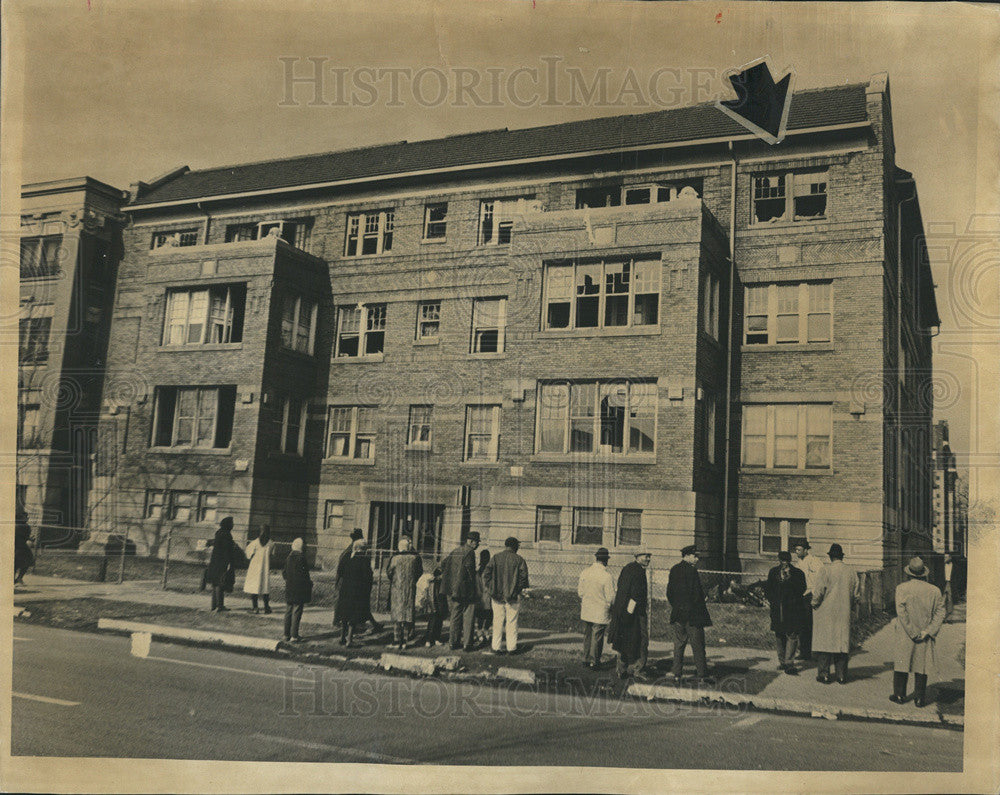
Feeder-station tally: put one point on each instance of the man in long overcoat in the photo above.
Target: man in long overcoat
(833, 596)
(356, 533)
(298, 589)
(783, 589)
(459, 582)
(688, 614)
(920, 612)
(221, 573)
(629, 629)
(354, 600)
(403, 571)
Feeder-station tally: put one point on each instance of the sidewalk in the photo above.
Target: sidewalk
(751, 672)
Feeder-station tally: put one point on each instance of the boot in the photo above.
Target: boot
(919, 690)
(253, 603)
(267, 603)
(899, 680)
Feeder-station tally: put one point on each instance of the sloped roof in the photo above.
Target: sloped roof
(809, 109)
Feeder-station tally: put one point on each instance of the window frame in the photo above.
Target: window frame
(541, 524)
(186, 237)
(479, 327)
(34, 336)
(621, 513)
(419, 336)
(208, 507)
(45, 256)
(29, 437)
(786, 540)
(501, 225)
(195, 418)
(292, 446)
(654, 287)
(435, 230)
(577, 511)
(291, 328)
(367, 313)
(711, 285)
(710, 429)
(329, 515)
(234, 297)
(771, 437)
(384, 227)
(790, 181)
(770, 310)
(354, 433)
(493, 452)
(416, 422)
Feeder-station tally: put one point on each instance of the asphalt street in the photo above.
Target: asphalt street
(79, 694)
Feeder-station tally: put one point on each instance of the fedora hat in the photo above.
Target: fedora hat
(915, 568)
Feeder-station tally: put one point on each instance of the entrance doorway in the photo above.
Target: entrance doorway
(421, 521)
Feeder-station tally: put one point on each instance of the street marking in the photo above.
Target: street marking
(750, 720)
(46, 700)
(221, 668)
(369, 755)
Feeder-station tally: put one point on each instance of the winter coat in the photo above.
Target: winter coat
(485, 600)
(458, 575)
(833, 594)
(596, 589)
(788, 612)
(220, 565)
(356, 579)
(812, 567)
(919, 609)
(403, 571)
(687, 597)
(624, 633)
(258, 580)
(298, 583)
(505, 576)
(24, 558)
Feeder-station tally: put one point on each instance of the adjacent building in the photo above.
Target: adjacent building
(650, 329)
(951, 497)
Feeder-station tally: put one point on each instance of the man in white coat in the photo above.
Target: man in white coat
(258, 581)
(920, 612)
(812, 567)
(833, 596)
(596, 589)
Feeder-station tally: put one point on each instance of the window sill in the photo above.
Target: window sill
(644, 459)
(784, 224)
(492, 464)
(433, 240)
(803, 347)
(208, 346)
(793, 472)
(501, 355)
(371, 357)
(302, 355)
(416, 448)
(274, 454)
(192, 450)
(611, 331)
(350, 462)
(433, 341)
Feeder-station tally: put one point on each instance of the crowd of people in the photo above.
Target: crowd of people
(811, 604)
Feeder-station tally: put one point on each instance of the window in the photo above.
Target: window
(205, 316)
(609, 196)
(154, 504)
(428, 320)
(295, 233)
(174, 237)
(361, 330)
(293, 426)
(239, 233)
(28, 430)
(351, 432)
(298, 324)
(333, 515)
(648, 193)
(781, 535)
(181, 505)
(489, 318)
(199, 417)
(34, 339)
(788, 313)
(495, 220)
(787, 436)
(482, 433)
(710, 305)
(435, 221)
(418, 432)
(208, 506)
(588, 525)
(628, 527)
(709, 439)
(369, 233)
(548, 523)
(40, 256)
(596, 417)
(796, 196)
(602, 294)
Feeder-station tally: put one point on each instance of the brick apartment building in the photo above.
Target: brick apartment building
(530, 333)
(69, 248)
(951, 497)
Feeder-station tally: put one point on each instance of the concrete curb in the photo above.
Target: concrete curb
(416, 665)
(765, 704)
(193, 635)
(525, 675)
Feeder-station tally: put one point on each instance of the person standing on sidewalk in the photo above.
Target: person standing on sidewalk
(688, 614)
(221, 572)
(433, 604)
(354, 600)
(258, 580)
(24, 558)
(403, 571)
(484, 607)
(833, 596)
(596, 589)
(812, 568)
(784, 588)
(920, 612)
(298, 589)
(458, 582)
(505, 577)
(628, 631)
(949, 567)
(356, 534)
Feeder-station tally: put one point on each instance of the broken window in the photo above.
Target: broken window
(369, 233)
(607, 196)
(809, 195)
(495, 220)
(616, 418)
(602, 294)
(212, 315)
(361, 330)
(795, 196)
(769, 198)
(174, 237)
(428, 320)
(200, 417)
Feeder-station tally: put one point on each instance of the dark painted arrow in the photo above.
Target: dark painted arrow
(760, 102)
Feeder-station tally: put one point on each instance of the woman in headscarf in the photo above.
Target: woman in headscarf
(354, 601)
(258, 581)
(221, 573)
(298, 589)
